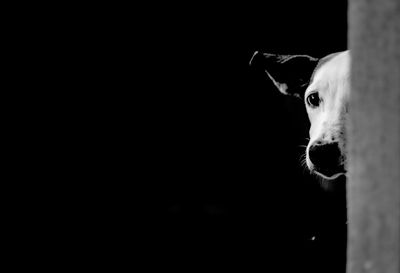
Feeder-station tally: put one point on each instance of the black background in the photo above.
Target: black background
(223, 145)
(188, 158)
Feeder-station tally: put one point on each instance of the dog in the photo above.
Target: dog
(324, 85)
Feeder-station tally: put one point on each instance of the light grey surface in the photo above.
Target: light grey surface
(374, 137)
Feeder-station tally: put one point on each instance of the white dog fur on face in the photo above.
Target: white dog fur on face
(331, 83)
(324, 86)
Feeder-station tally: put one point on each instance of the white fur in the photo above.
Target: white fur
(331, 81)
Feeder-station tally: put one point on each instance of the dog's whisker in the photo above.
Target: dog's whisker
(303, 163)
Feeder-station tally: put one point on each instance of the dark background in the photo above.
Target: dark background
(221, 145)
(187, 157)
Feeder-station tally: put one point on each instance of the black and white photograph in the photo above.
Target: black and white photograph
(221, 137)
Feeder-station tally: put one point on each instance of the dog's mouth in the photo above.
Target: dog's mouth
(330, 173)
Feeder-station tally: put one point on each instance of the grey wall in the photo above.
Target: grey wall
(374, 146)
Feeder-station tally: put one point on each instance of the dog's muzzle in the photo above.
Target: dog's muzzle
(327, 159)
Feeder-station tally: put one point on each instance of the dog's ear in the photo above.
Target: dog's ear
(290, 73)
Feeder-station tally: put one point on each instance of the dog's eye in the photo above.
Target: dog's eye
(313, 100)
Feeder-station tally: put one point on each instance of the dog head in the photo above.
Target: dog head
(323, 84)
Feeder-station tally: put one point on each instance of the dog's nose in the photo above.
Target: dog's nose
(325, 155)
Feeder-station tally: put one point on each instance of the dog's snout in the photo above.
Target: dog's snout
(325, 155)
